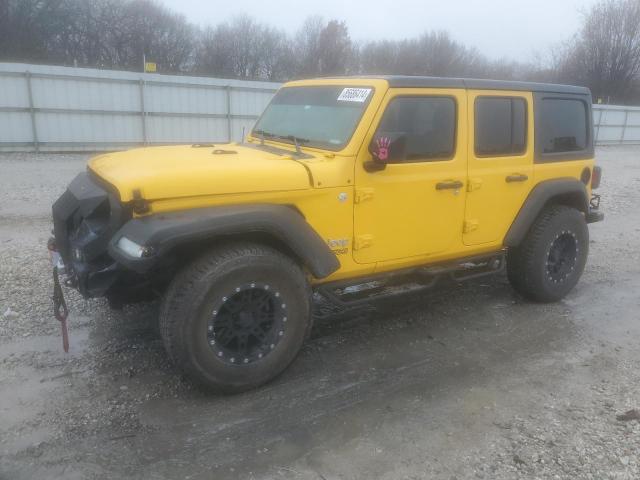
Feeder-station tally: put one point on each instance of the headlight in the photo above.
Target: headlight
(132, 249)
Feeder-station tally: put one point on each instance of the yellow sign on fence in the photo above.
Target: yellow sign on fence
(150, 67)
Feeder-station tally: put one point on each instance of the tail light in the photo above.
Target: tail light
(595, 177)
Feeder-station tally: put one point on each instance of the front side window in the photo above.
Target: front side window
(500, 126)
(418, 129)
(319, 116)
(563, 125)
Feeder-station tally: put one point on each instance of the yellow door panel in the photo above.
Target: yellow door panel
(499, 177)
(415, 207)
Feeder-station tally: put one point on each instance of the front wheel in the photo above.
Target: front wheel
(236, 317)
(551, 258)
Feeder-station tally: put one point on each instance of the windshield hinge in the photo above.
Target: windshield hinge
(139, 204)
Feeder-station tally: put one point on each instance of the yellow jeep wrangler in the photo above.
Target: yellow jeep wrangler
(343, 182)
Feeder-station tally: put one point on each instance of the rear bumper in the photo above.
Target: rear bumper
(594, 214)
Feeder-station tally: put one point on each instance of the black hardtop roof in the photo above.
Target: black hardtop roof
(409, 81)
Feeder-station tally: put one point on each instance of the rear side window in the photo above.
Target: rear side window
(500, 126)
(426, 126)
(563, 125)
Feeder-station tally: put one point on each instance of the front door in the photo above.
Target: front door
(500, 162)
(414, 206)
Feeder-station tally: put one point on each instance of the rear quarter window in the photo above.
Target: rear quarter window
(563, 129)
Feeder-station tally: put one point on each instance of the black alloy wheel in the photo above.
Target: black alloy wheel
(247, 324)
(562, 256)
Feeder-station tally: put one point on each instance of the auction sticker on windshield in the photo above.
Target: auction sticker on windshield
(354, 95)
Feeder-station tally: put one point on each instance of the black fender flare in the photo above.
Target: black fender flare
(567, 191)
(160, 233)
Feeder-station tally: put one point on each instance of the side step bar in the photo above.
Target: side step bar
(363, 290)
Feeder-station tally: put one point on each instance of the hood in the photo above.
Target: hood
(185, 171)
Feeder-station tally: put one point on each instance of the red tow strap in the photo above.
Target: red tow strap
(60, 309)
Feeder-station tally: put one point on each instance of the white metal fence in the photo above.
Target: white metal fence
(46, 108)
(615, 125)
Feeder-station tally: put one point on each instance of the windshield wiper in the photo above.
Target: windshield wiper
(293, 138)
(263, 134)
(296, 141)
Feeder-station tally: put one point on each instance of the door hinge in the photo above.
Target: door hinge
(362, 241)
(363, 194)
(470, 226)
(474, 184)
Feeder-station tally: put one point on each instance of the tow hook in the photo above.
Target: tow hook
(60, 310)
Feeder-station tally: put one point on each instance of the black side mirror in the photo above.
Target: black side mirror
(385, 147)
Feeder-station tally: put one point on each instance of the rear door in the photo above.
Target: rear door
(415, 206)
(500, 163)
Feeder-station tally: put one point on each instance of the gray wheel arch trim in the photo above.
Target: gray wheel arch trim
(165, 231)
(569, 191)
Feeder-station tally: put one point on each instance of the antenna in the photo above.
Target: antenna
(242, 139)
(295, 142)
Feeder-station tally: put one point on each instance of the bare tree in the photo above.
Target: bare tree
(334, 47)
(605, 54)
(91, 33)
(152, 30)
(276, 51)
(434, 53)
(27, 26)
(213, 52)
(307, 47)
(243, 48)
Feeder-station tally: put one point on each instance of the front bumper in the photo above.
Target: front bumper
(85, 218)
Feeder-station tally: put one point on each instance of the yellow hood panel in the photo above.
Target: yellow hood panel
(184, 171)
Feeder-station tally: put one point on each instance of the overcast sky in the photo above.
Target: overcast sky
(513, 29)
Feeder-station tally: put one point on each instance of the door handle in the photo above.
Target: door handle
(516, 177)
(449, 185)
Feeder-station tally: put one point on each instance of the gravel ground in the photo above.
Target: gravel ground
(469, 382)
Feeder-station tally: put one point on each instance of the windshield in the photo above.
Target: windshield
(320, 116)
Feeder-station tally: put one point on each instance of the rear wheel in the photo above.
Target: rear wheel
(551, 258)
(236, 317)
